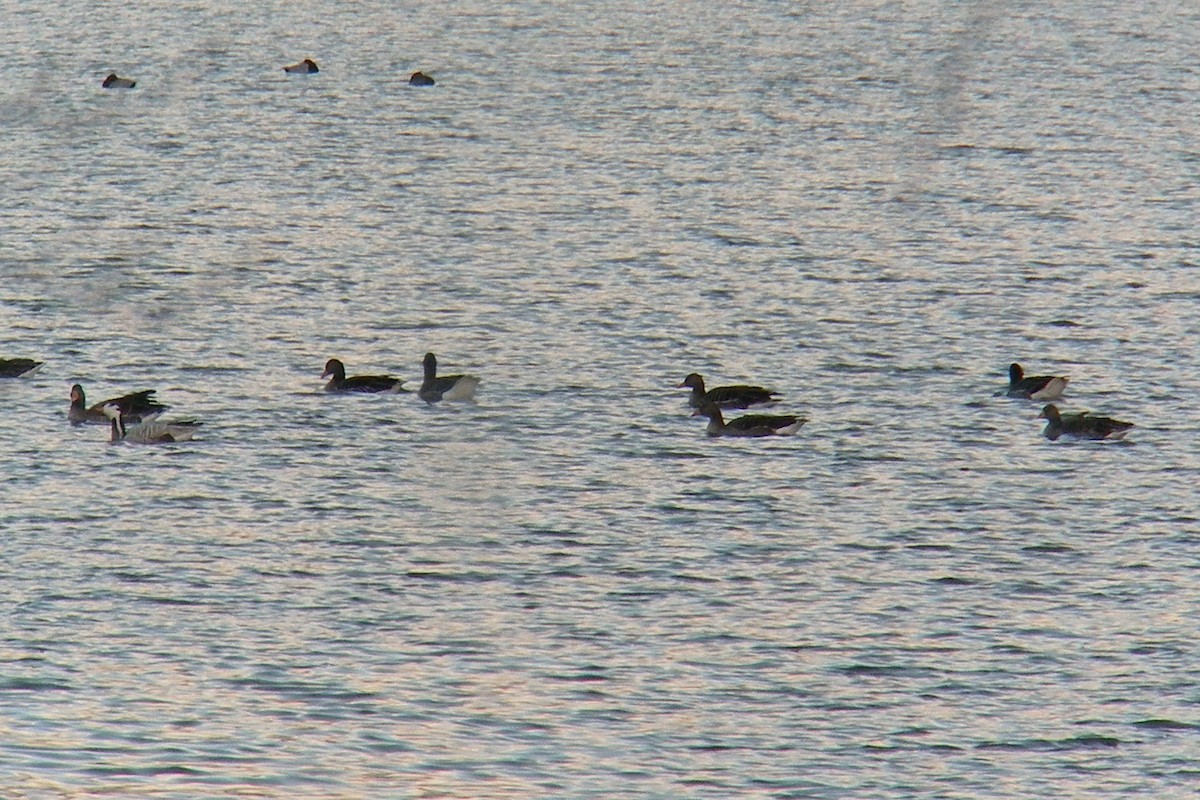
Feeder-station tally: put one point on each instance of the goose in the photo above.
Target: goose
(750, 424)
(1082, 425)
(1037, 387)
(420, 79)
(726, 396)
(19, 367)
(305, 67)
(113, 82)
(447, 387)
(364, 384)
(136, 406)
(150, 431)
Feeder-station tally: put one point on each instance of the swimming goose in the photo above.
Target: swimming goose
(420, 79)
(18, 367)
(726, 396)
(447, 387)
(136, 406)
(1082, 425)
(113, 82)
(1038, 387)
(305, 67)
(367, 384)
(150, 431)
(750, 424)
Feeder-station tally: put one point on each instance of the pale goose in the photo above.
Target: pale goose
(151, 431)
(1036, 387)
(305, 67)
(19, 367)
(447, 387)
(114, 82)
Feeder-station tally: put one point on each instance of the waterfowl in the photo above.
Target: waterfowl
(447, 387)
(113, 82)
(150, 431)
(136, 406)
(1037, 387)
(750, 424)
(1082, 425)
(369, 384)
(420, 79)
(305, 67)
(18, 367)
(726, 396)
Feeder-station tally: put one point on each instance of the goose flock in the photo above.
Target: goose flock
(1081, 425)
(709, 403)
(136, 417)
(132, 417)
(305, 67)
(434, 388)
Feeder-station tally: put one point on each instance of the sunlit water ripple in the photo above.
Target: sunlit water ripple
(566, 589)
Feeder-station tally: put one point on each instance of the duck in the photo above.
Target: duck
(740, 396)
(1037, 387)
(150, 431)
(447, 387)
(420, 79)
(136, 406)
(1082, 425)
(19, 367)
(750, 424)
(305, 67)
(364, 384)
(114, 82)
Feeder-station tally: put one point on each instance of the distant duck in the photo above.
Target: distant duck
(136, 406)
(19, 367)
(750, 424)
(420, 79)
(1038, 387)
(150, 431)
(1082, 425)
(366, 384)
(113, 82)
(447, 387)
(305, 67)
(726, 396)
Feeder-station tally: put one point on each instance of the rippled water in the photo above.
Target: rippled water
(566, 589)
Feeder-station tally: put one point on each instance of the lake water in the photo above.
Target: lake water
(566, 590)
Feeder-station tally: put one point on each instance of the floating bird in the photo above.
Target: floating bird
(420, 79)
(305, 67)
(726, 396)
(447, 387)
(113, 82)
(136, 406)
(749, 425)
(367, 384)
(1038, 387)
(150, 431)
(1082, 425)
(19, 367)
